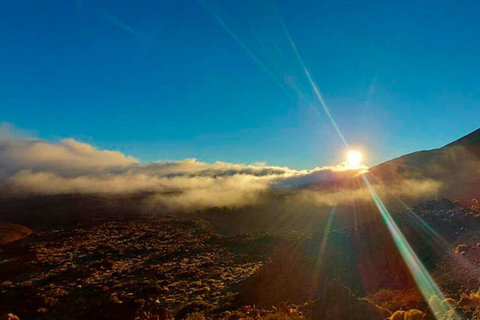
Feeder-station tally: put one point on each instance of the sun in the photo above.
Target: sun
(354, 160)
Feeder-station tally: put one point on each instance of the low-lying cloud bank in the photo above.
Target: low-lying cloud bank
(68, 167)
(37, 167)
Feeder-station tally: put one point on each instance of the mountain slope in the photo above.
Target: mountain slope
(470, 139)
(456, 166)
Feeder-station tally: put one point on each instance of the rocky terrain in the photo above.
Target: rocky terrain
(173, 267)
(120, 269)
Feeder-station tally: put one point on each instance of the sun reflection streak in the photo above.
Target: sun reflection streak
(310, 79)
(426, 228)
(440, 243)
(424, 281)
(328, 227)
(323, 246)
(355, 216)
(429, 289)
(242, 44)
(427, 286)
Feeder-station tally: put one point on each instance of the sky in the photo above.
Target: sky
(220, 81)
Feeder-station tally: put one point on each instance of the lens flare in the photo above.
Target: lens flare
(424, 281)
(354, 160)
(429, 289)
(323, 246)
(315, 88)
(242, 44)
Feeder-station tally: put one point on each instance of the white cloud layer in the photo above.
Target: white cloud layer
(29, 166)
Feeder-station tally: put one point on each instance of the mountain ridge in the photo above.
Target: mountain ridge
(469, 139)
(456, 165)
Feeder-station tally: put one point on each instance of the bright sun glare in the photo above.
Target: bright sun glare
(354, 160)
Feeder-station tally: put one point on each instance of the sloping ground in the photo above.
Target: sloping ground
(168, 268)
(452, 172)
(470, 139)
(456, 165)
(10, 232)
(121, 269)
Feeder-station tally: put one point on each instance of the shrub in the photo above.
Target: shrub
(193, 307)
(283, 316)
(469, 301)
(461, 249)
(398, 315)
(398, 300)
(196, 316)
(414, 314)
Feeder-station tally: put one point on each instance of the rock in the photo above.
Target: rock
(414, 314)
(398, 315)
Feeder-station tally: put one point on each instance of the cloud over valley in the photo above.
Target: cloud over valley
(37, 167)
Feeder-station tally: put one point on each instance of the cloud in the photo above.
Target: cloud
(31, 166)
(68, 157)
(405, 189)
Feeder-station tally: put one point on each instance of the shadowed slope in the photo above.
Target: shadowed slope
(472, 138)
(10, 232)
(456, 166)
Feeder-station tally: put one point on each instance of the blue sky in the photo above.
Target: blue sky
(164, 80)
